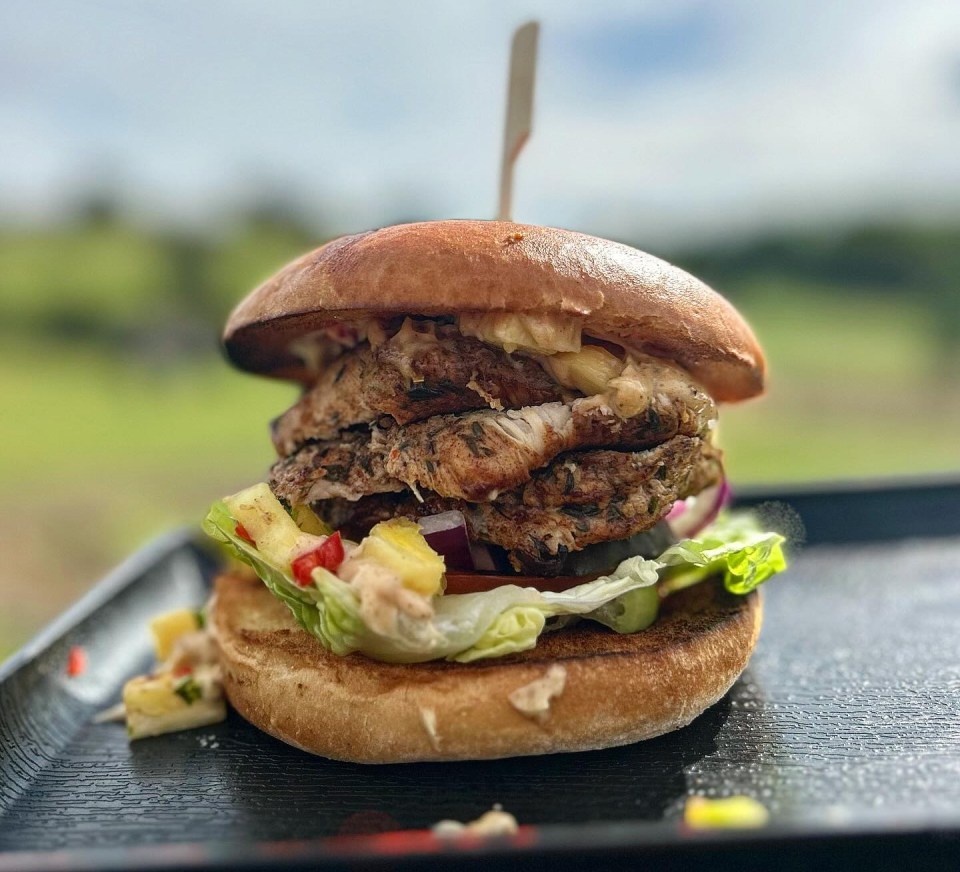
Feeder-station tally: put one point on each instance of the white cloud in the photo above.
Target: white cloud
(735, 116)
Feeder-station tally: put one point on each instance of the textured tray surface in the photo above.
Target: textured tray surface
(848, 716)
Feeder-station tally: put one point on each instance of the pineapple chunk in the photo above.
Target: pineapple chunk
(307, 520)
(732, 812)
(277, 535)
(163, 703)
(588, 370)
(171, 626)
(399, 545)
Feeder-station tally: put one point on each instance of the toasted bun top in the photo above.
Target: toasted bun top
(450, 267)
(617, 689)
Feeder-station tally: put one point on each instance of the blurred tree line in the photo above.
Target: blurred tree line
(100, 278)
(916, 266)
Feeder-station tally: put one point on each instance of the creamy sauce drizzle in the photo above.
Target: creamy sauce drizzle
(412, 338)
(495, 822)
(533, 700)
(382, 595)
(630, 383)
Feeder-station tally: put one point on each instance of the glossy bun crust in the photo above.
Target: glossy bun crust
(619, 688)
(448, 267)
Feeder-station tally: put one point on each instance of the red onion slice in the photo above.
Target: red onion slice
(482, 558)
(688, 517)
(446, 533)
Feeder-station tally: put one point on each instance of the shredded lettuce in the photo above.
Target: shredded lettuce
(508, 619)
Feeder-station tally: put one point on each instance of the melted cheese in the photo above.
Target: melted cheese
(539, 334)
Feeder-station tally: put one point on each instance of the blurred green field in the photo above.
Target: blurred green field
(100, 453)
(854, 391)
(108, 441)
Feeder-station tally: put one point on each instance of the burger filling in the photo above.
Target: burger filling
(544, 454)
(585, 498)
(562, 455)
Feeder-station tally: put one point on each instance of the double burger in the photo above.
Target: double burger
(492, 528)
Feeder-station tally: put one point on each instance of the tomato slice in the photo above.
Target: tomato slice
(329, 555)
(243, 534)
(477, 582)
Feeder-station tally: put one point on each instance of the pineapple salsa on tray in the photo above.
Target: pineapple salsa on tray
(496, 525)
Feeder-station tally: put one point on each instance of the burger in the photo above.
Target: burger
(493, 527)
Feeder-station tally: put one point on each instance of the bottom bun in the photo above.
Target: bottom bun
(618, 689)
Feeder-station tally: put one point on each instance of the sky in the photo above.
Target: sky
(671, 121)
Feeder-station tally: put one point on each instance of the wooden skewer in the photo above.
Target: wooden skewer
(519, 121)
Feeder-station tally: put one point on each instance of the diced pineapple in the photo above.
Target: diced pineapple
(163, 703)
(307, 520)
(399, 545)
(171, 626)
(588, 370)
(263, 517)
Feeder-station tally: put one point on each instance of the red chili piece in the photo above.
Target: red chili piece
(329, 555)
(243, 534)
(182, 670)
(76, 661)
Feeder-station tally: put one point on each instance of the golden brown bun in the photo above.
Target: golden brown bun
(449, 267)
(619, 689)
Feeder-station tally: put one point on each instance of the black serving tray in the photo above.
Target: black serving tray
(846, 725)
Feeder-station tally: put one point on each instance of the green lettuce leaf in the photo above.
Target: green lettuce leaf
(508, 619)
(734, 547)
